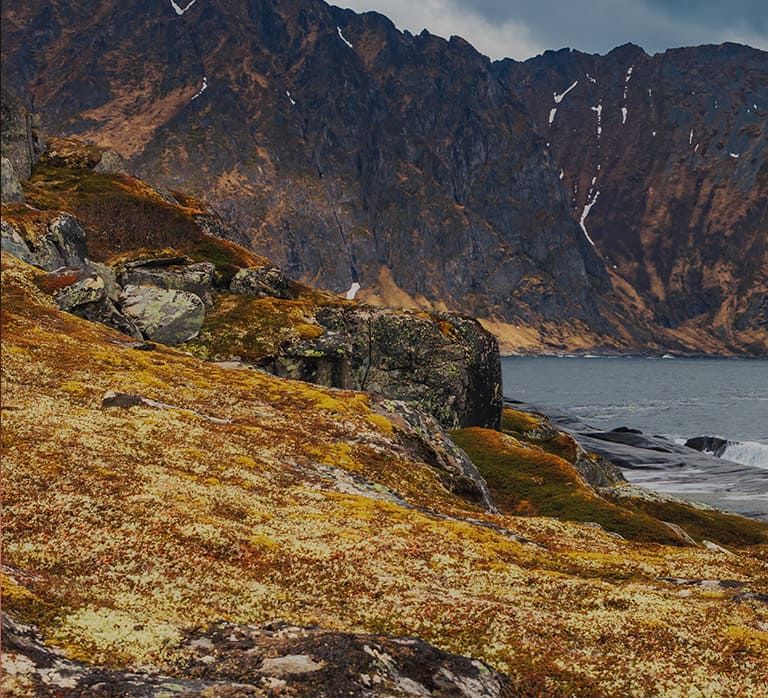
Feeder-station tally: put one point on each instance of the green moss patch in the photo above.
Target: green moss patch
(702, 524)
(526, 480)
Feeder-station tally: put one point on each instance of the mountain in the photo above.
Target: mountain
(352, 153)
(665, 162)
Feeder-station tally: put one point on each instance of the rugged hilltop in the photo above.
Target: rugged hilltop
(354, 154)
(177, 521)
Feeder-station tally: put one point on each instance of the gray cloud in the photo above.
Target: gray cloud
(522, 28)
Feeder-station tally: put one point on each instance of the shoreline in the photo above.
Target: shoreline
(595, 354)
(661, 465)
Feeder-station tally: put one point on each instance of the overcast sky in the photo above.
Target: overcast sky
(524, 28)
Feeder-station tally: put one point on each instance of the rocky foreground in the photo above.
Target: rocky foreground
(184, 517)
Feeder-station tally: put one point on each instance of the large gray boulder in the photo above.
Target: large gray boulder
(166, 316)
(446, 364)
(61, 244)
(172, 274)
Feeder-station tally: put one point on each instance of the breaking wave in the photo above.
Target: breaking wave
(747, 453)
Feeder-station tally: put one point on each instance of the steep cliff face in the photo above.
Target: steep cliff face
(665, 162)
(350, 152)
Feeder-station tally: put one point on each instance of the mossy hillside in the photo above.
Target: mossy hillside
(527, 480)
(137, 524)
(700, 524)
(124, 218)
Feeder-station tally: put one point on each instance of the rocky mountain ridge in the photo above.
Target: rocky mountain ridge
(665, 162)
(397, 175)
(424, 174)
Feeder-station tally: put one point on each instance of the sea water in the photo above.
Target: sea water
(673, 397)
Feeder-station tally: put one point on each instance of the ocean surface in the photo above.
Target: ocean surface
(676, 398)
(670, 401)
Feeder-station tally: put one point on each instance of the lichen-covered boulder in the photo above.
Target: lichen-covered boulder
(174, 274)
(60, 243)
(10, 186)
(262, 281)
(446, 364)
(87, 289)
(166, 316)
(90, 293)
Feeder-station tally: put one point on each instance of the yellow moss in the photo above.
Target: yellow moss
(137, 524)
(259, 540)
(381, 422)
(748, 639)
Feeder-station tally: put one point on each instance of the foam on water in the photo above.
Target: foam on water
(747, 453)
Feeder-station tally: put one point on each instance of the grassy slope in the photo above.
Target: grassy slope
(122, 527)
(531, 473)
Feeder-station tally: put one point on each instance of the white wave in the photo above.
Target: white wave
(747, 453)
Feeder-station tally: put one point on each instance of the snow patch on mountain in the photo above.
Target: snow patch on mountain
(343, 38)
(583, 220)
(179, 10)
(559, 97)
(352, 292)
(202, 89)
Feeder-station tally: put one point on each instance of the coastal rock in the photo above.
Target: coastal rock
(708, 444)
(538, 429)
(274, 659)
(262, 281)
(447, 364)
(169, 317)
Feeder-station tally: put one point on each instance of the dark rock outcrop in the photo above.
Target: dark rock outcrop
(447, 364)
(176, 274)
(10, 186)
(275, 659)
(421, 435)
(58, 242)
(20, 145)
(262, 281)
(708, 444)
